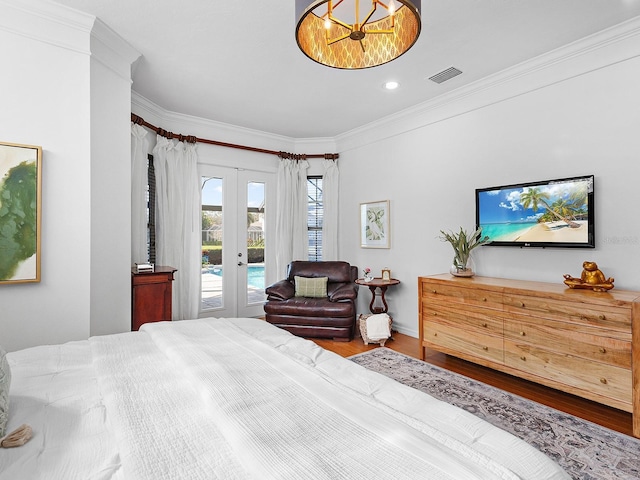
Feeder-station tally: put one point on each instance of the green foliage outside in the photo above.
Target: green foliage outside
(212, 249)
(213, 255)
(256, 254)
(18, 202)
(255, 243)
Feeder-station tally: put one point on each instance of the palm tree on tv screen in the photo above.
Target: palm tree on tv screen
(534, 197)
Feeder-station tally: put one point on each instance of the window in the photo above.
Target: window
(314, 218)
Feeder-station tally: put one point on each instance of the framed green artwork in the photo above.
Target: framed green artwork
(20, 212)
(374, 224)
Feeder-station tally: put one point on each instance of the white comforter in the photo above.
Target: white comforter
(239, 399)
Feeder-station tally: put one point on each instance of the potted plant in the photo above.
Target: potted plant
(463, 244)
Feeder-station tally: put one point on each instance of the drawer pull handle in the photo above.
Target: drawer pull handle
(603, 381)
(523, 358)
(603, 350)
(484, 325)
(435, 334)
(433, 291)
(485, 348)
(523, 334)
(484, 299)
(435, 314)
(602, 317)
(522, 304)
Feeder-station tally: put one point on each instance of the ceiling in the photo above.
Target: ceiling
(237, 62)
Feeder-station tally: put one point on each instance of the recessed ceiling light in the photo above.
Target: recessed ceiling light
(391, 85)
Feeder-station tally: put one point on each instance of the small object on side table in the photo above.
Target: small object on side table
(592, 278)
(367, 274)
(386, 274)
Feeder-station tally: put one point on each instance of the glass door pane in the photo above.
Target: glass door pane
(255, 243)
(212, 240)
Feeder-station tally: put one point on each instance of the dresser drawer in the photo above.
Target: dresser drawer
(577, 375)
(461, 342)
(611, 316)
(608, 347)
(480, 320)
(451, 294)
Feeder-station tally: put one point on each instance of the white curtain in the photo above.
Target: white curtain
(291, 216)
(177, 221)
(330, 181)
(139, 150)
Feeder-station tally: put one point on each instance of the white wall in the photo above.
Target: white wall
(47, 100)
(111, 60)
(576, 117)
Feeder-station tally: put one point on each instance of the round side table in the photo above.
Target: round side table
(375, 285)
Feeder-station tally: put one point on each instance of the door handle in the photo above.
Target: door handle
(240, 264)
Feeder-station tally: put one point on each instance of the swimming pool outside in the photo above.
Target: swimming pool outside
(255, 274)
(212, 286)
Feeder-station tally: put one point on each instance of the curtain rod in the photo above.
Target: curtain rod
(193, 139)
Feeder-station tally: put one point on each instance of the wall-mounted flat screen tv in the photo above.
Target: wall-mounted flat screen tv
(550, 213)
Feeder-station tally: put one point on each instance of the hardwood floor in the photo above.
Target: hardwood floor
(592, 411)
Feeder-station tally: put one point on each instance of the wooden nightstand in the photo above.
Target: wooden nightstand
(151, 296)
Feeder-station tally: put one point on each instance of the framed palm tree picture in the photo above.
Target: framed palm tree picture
(374, 225)
(20, 212)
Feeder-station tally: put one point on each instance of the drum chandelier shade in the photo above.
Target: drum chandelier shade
(341, 34)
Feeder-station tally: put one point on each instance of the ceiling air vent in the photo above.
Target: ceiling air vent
(445, 75)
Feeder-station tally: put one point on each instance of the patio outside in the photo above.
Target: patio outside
(212, 290)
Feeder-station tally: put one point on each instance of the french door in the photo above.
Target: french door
(237, 252)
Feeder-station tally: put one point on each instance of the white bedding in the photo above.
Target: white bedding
(239, 399)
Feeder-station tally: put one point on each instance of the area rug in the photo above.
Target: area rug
(585, 450)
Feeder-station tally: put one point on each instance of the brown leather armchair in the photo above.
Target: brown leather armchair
(332, 316)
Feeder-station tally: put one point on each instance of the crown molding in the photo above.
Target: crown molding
(47, 22)
(69, 29)
(602, 49)
(224, 132)
(198, 126)
(111, 50)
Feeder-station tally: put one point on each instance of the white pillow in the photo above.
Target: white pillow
(5, 382)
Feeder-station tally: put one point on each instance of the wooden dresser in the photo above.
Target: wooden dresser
(579, 341)
(151, 296)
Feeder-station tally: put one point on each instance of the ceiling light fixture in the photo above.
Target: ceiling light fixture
(326, 34)
(391, 85)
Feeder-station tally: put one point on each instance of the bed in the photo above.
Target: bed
(238, 399)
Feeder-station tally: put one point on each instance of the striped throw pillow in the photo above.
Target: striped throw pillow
(311, 287)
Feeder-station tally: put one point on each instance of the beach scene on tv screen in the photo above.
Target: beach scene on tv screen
(556, 212)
